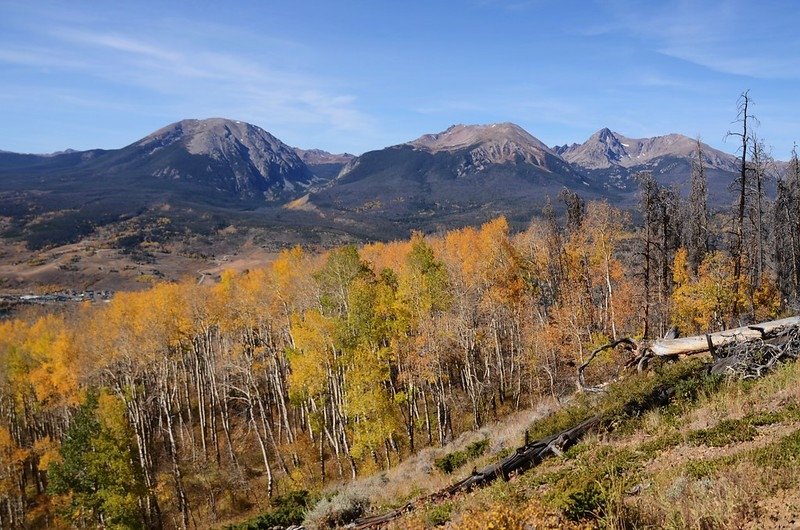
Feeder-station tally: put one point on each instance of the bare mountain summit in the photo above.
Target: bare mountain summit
(499, 143)
(463, 175)
(605, 149)
(614, 159)
(231, 155)
(318, 156)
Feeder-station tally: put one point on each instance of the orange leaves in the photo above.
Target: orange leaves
(142, 327)
(392, 255)
(766, 299)
(503, 516)
(485, 262)
(41, 357)
(47, 450)
(290, 278)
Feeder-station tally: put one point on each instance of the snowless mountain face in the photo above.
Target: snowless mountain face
(499, 143)
(323, 164)
(466, 174)
(234, 156)
(318, 156)
(615, 159)
(607, 149)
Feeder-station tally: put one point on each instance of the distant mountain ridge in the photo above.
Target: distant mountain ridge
(606, 149)
(499, 143)
(463, 175)
(615, 159)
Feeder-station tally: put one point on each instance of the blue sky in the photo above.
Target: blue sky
(356, 76)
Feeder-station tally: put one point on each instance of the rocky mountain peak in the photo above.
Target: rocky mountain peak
(256, 161)
(216, 137)
(318, 156)
(483, 145)
(461, 136)
(608, 149)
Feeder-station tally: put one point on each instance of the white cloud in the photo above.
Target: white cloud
(191, 77)
(728, 37)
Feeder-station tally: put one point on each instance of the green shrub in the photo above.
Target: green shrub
(697, 469)
(725, 432)
(286, 510)
(659, 444)
(476, 449)
(587, 491)
(781, 454)
(439, 514)
(586, 502)
(578, 410)
(790, 412)
(452, 461)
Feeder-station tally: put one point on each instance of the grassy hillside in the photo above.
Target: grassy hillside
(718, 453)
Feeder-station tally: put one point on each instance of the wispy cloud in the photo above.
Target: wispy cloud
(658, 80)
(723, 36)
(199, 79)
(114, 42)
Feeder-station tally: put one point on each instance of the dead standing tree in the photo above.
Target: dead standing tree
(697, 214)
(737, 249)
(787, 232)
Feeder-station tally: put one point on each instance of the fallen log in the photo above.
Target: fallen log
(704, 343)
(524, 458)
(753, 358)
(671, 348)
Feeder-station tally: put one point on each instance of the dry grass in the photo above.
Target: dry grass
(417, 476)
(729, 458)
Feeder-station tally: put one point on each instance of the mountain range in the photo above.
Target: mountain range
(218, 170)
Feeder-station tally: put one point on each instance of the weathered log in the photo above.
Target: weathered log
(702, 343)
(524, 458)
(755, 357)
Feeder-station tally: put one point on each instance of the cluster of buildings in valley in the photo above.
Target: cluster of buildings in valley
(9, 300)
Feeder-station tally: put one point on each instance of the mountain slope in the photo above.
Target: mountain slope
(323, 164)
(463, 175)
(232, 157)
(606, 149)
(614, 158)
(219, 169)
(684, 448)
(219, 158)
(190, 172)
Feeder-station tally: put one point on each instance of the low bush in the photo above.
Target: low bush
(588, 490)
(439, 514)
(725, 432)
(285, 510)
(338, 510)
(452, 461)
